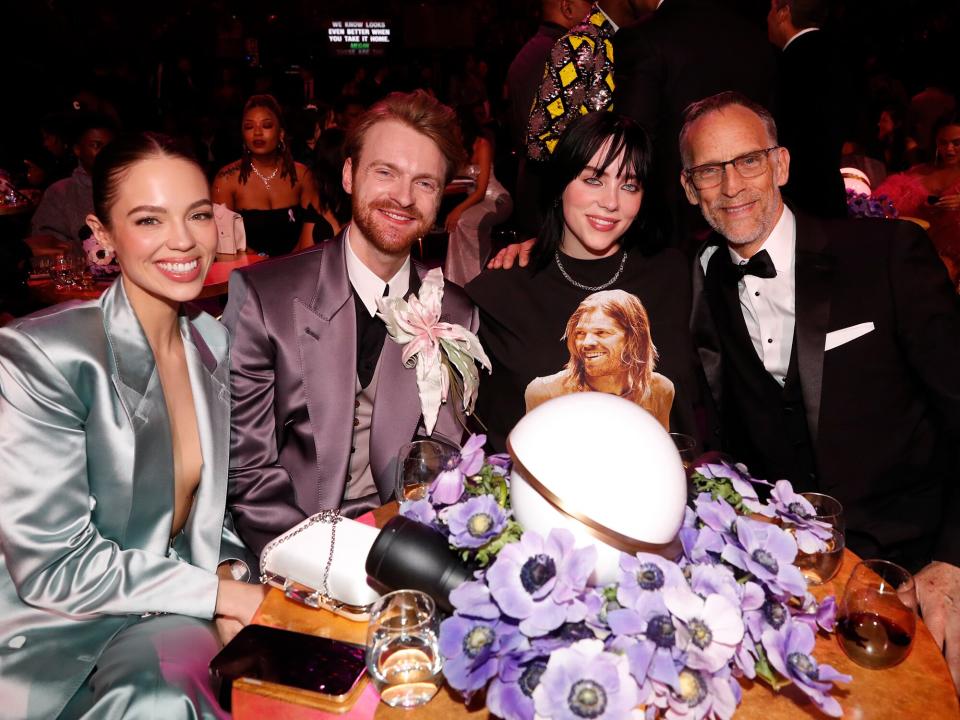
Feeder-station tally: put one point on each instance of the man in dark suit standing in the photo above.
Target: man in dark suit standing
(322, 400)
(810, 109)
(831, 348)
(684, 51)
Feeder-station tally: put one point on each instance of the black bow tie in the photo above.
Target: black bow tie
(760, 265)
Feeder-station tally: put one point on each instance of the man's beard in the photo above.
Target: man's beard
(386, 239)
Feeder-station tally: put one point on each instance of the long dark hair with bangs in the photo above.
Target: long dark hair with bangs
(579, 143)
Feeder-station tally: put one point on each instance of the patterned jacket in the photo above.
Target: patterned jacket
(577, 79)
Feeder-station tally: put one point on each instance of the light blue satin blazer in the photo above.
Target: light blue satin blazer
(86, 492)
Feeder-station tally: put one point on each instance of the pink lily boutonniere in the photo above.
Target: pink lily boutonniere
(435, 348)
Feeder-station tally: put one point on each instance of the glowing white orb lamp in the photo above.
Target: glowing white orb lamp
(604, 468)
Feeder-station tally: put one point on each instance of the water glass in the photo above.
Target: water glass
(877, 616)
(826, 508)
(403, 653)
(418, 465)
(821, 567)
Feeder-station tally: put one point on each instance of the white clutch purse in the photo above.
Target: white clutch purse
(321, 563)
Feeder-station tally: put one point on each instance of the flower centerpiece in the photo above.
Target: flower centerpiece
(860, 205)
(668, 639)
(435, 348)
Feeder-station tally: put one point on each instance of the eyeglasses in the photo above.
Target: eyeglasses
(748, 165)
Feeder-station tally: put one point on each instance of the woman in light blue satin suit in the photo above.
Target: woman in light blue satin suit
(115, 551)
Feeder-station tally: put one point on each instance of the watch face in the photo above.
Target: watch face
(239, 570)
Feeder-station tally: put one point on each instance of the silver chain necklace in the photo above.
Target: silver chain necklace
(604, 286)
(265, 178)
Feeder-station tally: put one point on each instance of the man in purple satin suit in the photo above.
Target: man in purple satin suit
(321, 399)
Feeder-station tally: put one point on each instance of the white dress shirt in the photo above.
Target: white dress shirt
(769, 304)
(368, 284)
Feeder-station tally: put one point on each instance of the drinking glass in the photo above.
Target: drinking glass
(826, 508)
(686, 448)
(62, 271)
(403, 653)
(877, 616)
(820, 567)
(418, 465)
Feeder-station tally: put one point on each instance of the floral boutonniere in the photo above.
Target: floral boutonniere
(435, 348)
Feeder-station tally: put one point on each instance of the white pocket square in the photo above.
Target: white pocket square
(836, 338)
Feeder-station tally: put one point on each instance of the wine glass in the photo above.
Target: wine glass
(877, 616)
(62, 271)
(418, 465)
(686, 448)
(403, 653)
(820, 567)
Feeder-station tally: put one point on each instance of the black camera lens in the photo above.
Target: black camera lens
(410, 555)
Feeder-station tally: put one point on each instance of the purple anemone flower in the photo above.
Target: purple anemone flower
(772, 614)
(470, 649)
(510, 694)
(717, 515)
(645, 573)
(475, 522)
(657, 649)
(699, 695)
(471, 455)
(420, 510)
(584, 681)
(797, 511)
(539, 581)
(701, 545)
(500, 462)
(447, 488)
(768, 553)
(708, 579)
(739, 477)
(790, 652)
(473, 598)
(710, 628)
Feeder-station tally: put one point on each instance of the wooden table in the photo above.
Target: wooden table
(919, 687)
(45, 291)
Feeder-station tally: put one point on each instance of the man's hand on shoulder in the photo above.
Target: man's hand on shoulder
(938, 589)
(516, 252)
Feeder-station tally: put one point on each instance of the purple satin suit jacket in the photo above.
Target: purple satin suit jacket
(293, 382)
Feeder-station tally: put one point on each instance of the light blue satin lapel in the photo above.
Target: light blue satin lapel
(132, 358)
(211, 401)
(138, 385)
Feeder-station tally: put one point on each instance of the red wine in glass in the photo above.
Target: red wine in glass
(877, 616)
(872, 640)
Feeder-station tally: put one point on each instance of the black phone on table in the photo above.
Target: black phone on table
(328, 669)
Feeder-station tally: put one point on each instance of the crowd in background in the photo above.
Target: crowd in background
(80, 77)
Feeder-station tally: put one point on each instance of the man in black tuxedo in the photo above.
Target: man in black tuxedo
(831, 348)
(686, 50)
(810, 106)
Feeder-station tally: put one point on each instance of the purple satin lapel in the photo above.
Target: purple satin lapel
(327, 359)
(396, 414)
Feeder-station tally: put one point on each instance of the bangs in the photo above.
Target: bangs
(632, 155)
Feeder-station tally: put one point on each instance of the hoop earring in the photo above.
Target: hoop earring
(281, 146)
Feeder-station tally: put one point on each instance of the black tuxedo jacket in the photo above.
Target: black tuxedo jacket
(683, 52)
(810, 114)
(883, 408)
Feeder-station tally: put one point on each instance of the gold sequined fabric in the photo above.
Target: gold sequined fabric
(577, 79)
